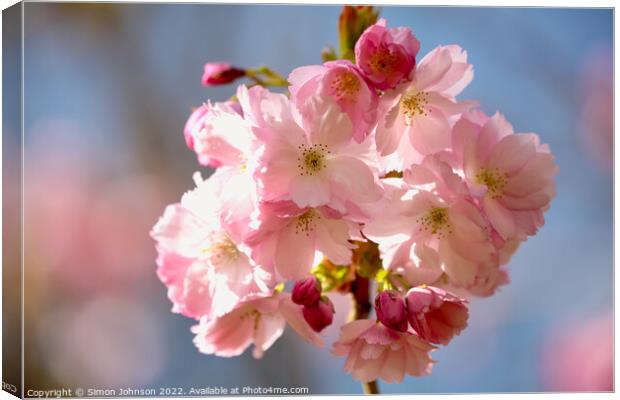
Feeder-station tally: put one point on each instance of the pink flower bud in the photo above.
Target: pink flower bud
(220, 74)
(390, 309)
(320, 315)
(307, 292)
(435, 314)
(386, 56)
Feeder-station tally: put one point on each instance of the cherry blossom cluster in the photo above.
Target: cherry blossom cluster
(376, 154)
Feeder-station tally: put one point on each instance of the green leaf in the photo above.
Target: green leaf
(329, 54)
(383, 280)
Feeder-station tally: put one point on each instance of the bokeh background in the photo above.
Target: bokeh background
(108, 88)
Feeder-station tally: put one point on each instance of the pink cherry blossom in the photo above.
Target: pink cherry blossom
(376, 152)
(386, 56)
(510, 174)
(260, 321)
(219, 73)
(342, 82)
(489, 278)
(312, 163)
(287, 237)
(265, 110)
(201, 257)
(374, 351)
(219, 135)
(390, 310)
(415, 117)
(444, 234)
(436, 315)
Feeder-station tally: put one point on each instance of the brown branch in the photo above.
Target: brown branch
(370, 387)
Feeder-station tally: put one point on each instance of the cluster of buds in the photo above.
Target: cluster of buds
(318, 310)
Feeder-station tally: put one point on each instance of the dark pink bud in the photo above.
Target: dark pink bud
(436, 315)
(320, 315)
(385, 55)
(220, 74)
(390, 309)
(307, 292)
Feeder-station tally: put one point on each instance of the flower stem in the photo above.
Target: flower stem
(360, 294)
(265, 76)
(370, 387)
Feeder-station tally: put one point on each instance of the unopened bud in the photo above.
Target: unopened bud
(390, 309)
(319, 315)
(220, 74)
(307, 292)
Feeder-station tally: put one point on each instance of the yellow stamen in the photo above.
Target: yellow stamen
(312, 158)
(435, 221)
(222, 251)
(306, 222)
(494, 180)
(383, 62)
(252, 313)
(345, 85)
(413, 104)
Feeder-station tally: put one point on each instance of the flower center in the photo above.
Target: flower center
(222, 251)
(345, 86)
(494, 180)
(383, 62)
(413, 104)
(253, 314)
(435, 221)
(312, 158)
(306, 222)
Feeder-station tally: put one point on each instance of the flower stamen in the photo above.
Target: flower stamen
(255, 315)
(494, 180)
(383, 62)
(413, 104)
(222, 251)
(306, 222)
(345, 86)
(312, 158)
(435, 221)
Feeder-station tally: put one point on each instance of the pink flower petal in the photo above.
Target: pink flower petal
(432, 68)
(333, 240)
(270, 327)
(512, 152)
(430, 133)
(309, 190)
(353, 179)
(294, 252)
(294, 317)
(501, 219)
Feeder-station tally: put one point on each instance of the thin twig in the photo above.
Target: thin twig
(370, 387)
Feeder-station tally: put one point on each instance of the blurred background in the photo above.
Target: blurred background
(108, 88)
